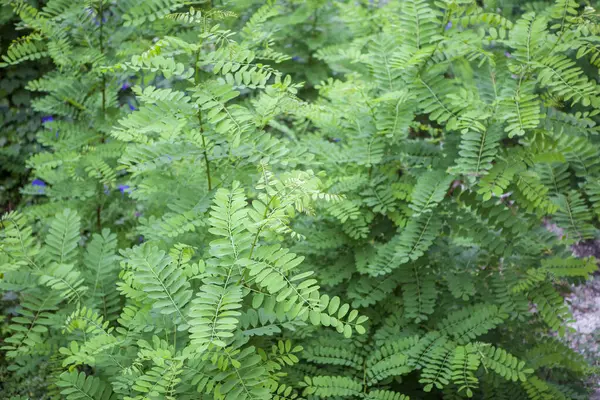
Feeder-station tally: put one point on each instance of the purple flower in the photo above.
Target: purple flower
(295, 58)
(132, 107)
(138, 214)
(449, 25)
(125, 86)
(123, 188)
(507, 54)
(47, 118)
(141, 239)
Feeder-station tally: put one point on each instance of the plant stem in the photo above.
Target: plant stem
(205, 152)
(258, 231)
(197, 80)
(101, 16)
(103, 93)
(98, 218)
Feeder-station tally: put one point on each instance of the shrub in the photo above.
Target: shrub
(18, 122)
(380, 236)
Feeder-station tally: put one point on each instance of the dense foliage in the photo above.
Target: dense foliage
(301, 199)
(18, 121)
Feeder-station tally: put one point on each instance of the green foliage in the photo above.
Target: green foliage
(18, 121)
(203, 225)
(79, 386)
(474, 164)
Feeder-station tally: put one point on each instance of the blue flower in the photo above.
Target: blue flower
(39, 184)
(10, 296)
(132, 107)
(123, 188)
(125, 86)
(47, 118)
(295, 58)
(336, 140)
(449, 25)
(141, 239)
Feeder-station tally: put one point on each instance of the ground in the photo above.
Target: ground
(585, 305)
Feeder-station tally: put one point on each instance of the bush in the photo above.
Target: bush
(207, 227)
(18, 121)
